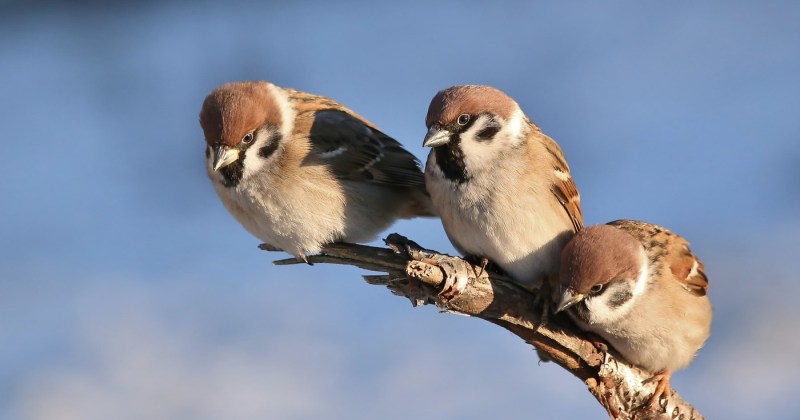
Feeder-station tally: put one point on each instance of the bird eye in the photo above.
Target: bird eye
(597, 288)
(248, 138)
(463, 119)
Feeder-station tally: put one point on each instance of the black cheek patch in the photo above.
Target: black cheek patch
(269, 149)
(619, 298)
(487, 133)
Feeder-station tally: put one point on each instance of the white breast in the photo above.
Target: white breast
(298, 215)
(522, 233)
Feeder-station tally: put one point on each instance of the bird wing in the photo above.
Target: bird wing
(351, 146)
(686, 268)
(564, 187)
(357, 151)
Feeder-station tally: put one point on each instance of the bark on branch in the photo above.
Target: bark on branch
(415, 273)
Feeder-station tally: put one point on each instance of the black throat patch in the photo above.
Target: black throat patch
(232, 174)
(450, 159)
(580, 311)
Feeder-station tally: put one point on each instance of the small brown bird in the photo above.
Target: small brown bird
(501, 187)
(638, 286)
(300, 171)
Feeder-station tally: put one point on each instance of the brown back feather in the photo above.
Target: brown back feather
(674, 249)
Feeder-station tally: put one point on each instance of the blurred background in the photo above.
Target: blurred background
(128, 292)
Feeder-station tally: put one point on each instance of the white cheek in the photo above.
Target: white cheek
(479, 155)
(600, 310)
(253, 162)
(600, 313)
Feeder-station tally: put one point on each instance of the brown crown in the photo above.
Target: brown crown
(449, 103)
(237, 108)
(597, 255)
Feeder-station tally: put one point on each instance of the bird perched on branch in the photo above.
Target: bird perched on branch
(501, 186)
(639, 287)
(300, 171)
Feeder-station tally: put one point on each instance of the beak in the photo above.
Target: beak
(568, 298)
(436, 137)
(224, 156)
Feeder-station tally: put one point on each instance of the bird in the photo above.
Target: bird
(301, 171)
(640, 287)
(502, 187)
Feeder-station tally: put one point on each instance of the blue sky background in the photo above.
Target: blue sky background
(128, 292)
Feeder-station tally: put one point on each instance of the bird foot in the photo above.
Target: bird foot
(271, 248)
(597, 341)
(544, 316)
(456, 273)
(480, 262)
(543, 297)
(662, 388)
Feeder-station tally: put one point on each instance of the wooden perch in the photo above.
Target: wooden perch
(416, 273)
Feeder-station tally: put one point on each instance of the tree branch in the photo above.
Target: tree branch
(415, 272)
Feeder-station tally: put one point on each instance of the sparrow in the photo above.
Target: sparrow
(300, 171)
(640, 287)
(501, 186)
